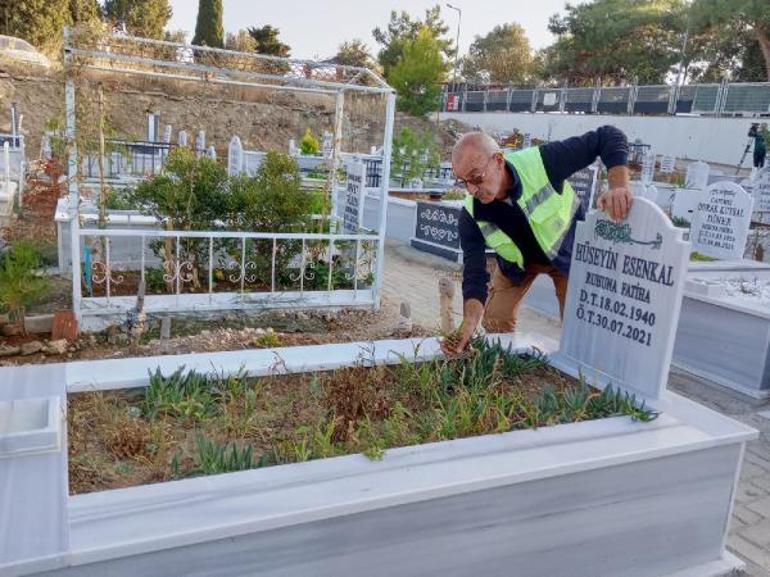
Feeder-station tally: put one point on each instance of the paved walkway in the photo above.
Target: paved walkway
(412, 276)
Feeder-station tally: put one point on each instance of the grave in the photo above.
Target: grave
(182, 138)
(684, 203)
(761, 186)
(626, 283)
(585, 184)
(352, 216)
(648, 166)
(234, 156)
(667, 164)
(437, 229)
(697, 175)
(720, 224)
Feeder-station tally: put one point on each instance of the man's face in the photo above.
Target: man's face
(481, 173)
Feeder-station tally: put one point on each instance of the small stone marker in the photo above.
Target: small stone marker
(327, 144)
(527, 141)
(353, 213)
(65, 326)
(720, 224)
(761, 194)
(293, 150)
(165, 333)
(648, 167)
(623, 299)
(585, 183)
(667, 164)
(697, 175)
(211, 152)
(167, 133)
(446, 291)
(200, 142)
(234, 156)
(182, 138)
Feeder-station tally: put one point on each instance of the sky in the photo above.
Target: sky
(315, 28)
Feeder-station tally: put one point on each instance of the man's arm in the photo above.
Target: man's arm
(475, 282)
(563, 158)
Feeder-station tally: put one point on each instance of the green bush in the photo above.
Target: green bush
(20, 283)
(309, 143)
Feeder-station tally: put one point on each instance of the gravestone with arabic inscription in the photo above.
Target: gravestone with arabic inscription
(720, 224)
(623, 299)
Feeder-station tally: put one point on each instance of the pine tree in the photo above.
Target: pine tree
(39, 22)
(208, 29)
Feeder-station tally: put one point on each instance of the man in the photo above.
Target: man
(520, 205)
(761, 136)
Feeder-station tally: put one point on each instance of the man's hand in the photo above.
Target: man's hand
(457, 342)
(616, 203)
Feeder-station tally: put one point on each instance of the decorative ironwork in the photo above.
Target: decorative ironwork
(621, 233)
(183, 270)
(100, 271)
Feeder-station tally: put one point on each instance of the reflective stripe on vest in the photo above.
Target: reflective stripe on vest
(548, 212)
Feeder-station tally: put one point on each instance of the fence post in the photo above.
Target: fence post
(533, 107)
(72, 181)
(563, 98)
(595, 99)
(632, 90)
(508, 96)
(486, 99)
(724, 87)
(673, 93)
(465, 95)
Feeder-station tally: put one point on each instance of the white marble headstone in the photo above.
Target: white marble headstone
(697, 175)
(761, 185)
(200, 142)
(648, 167)
(720, 224)
(685, 202)
(211, 152)
(327, 144)
(667, 164)
(293, 151)
(167, 133)
(353, 212)
(234, 156)
(623, 300)
(182, 138)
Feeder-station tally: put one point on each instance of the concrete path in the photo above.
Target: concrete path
(412, 276)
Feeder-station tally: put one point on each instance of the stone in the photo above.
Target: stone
(234, 156)
(9, 350)
(648, 167)
(720, 224)
(761, 186)
(697, 175)
(352, 216)
(65, 326)
(624, 296)
(12, 330)
(165, 328)
(57, 347)
(685, 202)
(31, 348)
(585, 183)
(667, 164)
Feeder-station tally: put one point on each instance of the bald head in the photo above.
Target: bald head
(475, 144)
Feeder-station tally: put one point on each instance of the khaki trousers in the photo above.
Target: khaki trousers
(505, 298)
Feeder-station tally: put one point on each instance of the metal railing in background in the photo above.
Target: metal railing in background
(715, 99)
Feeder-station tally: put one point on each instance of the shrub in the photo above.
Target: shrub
(309, 143)
(20, 283)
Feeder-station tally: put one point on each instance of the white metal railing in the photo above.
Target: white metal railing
(199, 270)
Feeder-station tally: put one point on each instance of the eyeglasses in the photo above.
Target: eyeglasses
(476, 180)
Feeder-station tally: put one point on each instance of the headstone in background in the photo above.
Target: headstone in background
(648, 166)
(327, 144)
(211, 152)
(667, 164)
(167, 133)
(153, 121)
(354, 203)
(200, 142)
(437, 229)
(720, 224)
(685, 202)
(697, 175)
(293, 150)
(182, 138)
(585, 183)
(234, 156)
(527, 140)
(761, 186)
(624, 296)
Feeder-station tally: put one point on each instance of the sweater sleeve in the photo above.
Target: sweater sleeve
(564, 158)
(475, 275)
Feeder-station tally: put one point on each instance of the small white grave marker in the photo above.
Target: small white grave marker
(211, 152)
(697, 175)
(182, 138)
(167, 133)
(353, 213)
(200, 142)
(720, 224)
(761, 185)
(648, 167)
(293, 151)
(667, 164)
(234, 156)
(327, 144)
(623, 299)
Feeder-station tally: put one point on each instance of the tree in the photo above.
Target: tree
(504, 52)
(20, 283)
(417, 76)
(241, 41)
(353, 53)
(208, 28)
(146, 18)
(617, 40)
(750, 19)
(39, 22)
(403, 29)
(268, 42)
(85, 11)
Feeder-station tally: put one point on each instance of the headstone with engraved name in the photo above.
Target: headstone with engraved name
(585, 182)
(697, 175)
(623, 299)
(761, 185)
(720, 224)
(353, 212)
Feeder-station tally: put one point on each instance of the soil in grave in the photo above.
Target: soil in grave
(188, 424)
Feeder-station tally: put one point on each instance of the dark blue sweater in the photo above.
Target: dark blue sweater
(561, 159)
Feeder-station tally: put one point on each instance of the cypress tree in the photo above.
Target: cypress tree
(208, 29)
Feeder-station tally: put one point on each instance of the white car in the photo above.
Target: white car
(19, 50)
